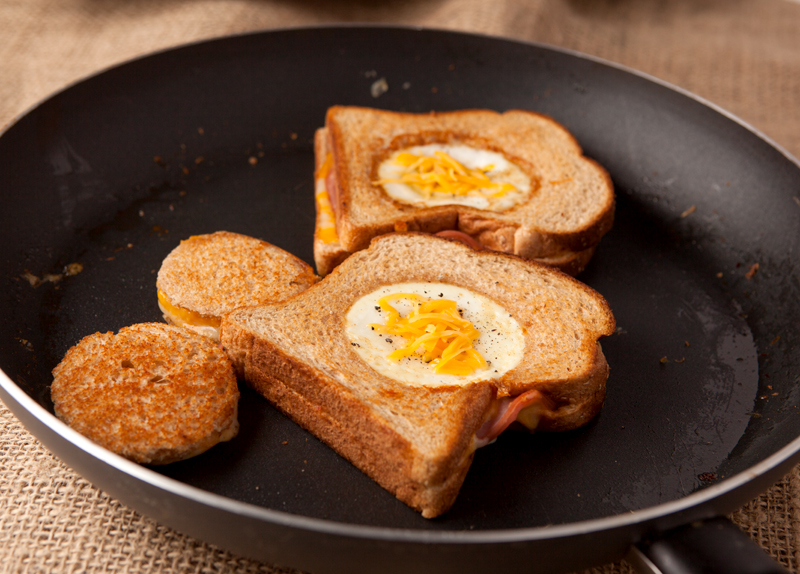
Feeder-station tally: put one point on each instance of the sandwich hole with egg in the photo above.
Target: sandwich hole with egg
(434, 334)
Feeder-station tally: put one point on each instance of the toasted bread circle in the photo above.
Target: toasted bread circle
(153, 393)
(415, 440)
(570, 209)
(208, 275)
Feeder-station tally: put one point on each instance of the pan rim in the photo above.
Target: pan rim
(787, 453)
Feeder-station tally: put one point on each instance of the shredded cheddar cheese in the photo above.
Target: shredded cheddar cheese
(434, 330)
(326, 230)
(444, 175)
(185, 315)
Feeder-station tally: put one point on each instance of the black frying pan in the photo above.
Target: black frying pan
(702, 406)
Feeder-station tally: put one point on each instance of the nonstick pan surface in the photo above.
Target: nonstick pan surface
(700, 269)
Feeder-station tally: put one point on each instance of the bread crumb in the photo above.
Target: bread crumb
(252, 160)
(35, 281)
(689, 211)
(752, 272)
(26, 344)
(379, 87)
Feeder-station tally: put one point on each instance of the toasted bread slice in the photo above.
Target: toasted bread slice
(416, 434)
(566, 206)
(206, 276)
(152, 393)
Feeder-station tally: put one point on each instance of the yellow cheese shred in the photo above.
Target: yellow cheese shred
(434, 330)
(186, 316)
(442, 174)
(326, 230)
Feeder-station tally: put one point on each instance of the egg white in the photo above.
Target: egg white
(501, 341)
(503, 171)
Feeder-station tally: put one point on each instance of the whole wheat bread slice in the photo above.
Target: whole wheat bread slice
(418, 441)
(570, 209)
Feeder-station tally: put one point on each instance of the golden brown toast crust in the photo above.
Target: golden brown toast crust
(297, 349)
(384, 455)
(152, 393)
(571, 208)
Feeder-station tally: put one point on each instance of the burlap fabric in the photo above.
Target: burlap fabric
(742, 55)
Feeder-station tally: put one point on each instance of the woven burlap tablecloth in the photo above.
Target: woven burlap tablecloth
(741, 55)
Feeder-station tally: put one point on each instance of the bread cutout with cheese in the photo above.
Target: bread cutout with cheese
(417, 350)
(206, 276)
(515, 182)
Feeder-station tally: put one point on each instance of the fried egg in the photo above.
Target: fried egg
(502, 171)
(501, 341)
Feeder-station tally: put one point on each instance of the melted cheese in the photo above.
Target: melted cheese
(435, 330)
(442, 174)
(500, 341)
(326, 229)
(181, 317)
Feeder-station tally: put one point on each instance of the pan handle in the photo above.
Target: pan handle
(713, 546)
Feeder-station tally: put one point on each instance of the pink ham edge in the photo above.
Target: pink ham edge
(507, 414)
(462, 237)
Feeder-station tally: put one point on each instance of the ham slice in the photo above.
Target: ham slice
(508, 411)
(462, 237)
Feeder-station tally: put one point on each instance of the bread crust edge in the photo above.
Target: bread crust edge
(341, 421)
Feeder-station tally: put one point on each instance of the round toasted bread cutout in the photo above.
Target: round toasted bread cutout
(209, 275)
(153, 393)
